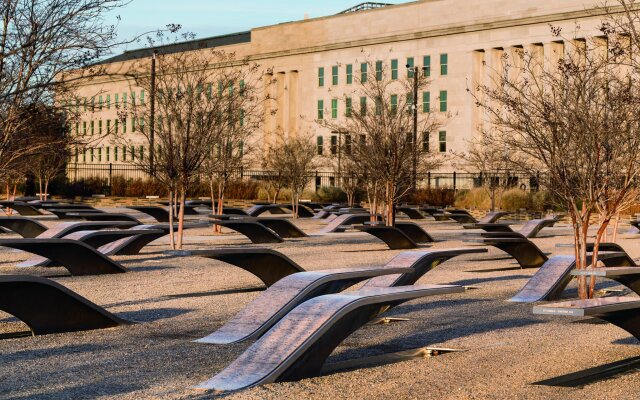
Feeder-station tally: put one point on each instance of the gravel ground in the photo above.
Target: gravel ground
(175, 300)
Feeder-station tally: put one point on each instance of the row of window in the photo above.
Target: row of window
(426, 104)
(108, 154)
(379, 65)
(110, 127)
(104, 101)
(333, 147)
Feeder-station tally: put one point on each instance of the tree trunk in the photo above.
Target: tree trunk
(46, 189)
(40, 186)
(183, 198)
(220, 209)
(614, 234)
(171, 219)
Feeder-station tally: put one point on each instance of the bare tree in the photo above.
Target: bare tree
(380, 135)
(293, 159)
(577, 119)
(200, 104)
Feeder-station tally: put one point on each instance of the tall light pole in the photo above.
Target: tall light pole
(414, 106)
(152, 114)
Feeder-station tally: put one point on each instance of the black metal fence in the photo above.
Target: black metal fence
(449, 180)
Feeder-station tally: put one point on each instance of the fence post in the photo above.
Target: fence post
(241, 173)
(429, 179)
(110, 177)
(454, 181)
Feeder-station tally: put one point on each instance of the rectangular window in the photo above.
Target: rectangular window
(115, 100)
(320, 145)
(92, 128)
(410, 65)
(108, 132)
(77, 155)
(124, 99)
(334, 108)
(84, 128)
(100, 127)
(394, 69)
(442, 139)
(109, 101)
(394, 103)
(141, 124)
(363, 105)
(347, 144)
(84, 156)
(363, 72)
(209, 90)
(427, 66)
(100, 103)
(133, 153)
(321, 76)
(84, 102)
(320, 109)
(93, 104)
(99, 154)
(133, 123)
(349, 74)
(426, 102)
(124, 126)
(107, 154)
(334, 75)
(141, 151)
(115, 153)
(444, 64)
(142, 97)
(334, 145)
(92, 155)
(348, 104)
(133, 98)
(443, 100)
(425, 142)
(115, 126)
(378, 106)
(378, 70)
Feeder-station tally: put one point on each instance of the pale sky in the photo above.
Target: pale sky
(218, 17)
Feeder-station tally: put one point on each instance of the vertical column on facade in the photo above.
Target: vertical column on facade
(553, 53)
(535, 59)
(477, 79)
(268, 111)
(294, 98)
(493, 71)
(282, 103)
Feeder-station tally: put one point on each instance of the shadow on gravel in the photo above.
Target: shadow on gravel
(469, 282)
(38, 354)
(186, 295)
(151, 315)
(104, 387)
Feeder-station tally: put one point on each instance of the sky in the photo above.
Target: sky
(218, 17)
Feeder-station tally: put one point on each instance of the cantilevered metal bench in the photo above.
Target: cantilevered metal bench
(412, 213)
(552, 278)
(299, 344)
(393, 237)
(77, 257)
(254, 231)
(444, 214)
(489, 218)
(233, 211)
(529, 230)
(268, 265)
(338, 224)
(623, 312)
(260, 314)
(258, 209)
(283, 227)
(303, 211)
(72, 213)
(24, 209)
(60, 206)
(48, 307)
(627, 276)
(525, 252)
(97, 240)
(108, 217)
(158, 213)
(30, 228)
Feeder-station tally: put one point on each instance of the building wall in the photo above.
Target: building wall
(472, 34)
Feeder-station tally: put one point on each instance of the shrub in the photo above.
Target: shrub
(475, 198)
(515, 199)
(441, 197)
(331, 194)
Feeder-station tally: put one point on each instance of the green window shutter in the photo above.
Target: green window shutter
(427, 66)
(142, 97)
(99, 154)
(108, 101)
(93, 131)
(84, 128)
(107, 154)
(100, 127)
(320, 145)
(410, 63)
(320, 109)
(124, 99)
(363, 105)
(349, 74)
(444, 64)
(124, 125)
(443, 100)
(334, 108)
(394, 103)
(425, 142)
(363, 72)
(394, 69)
(378, 70)
(426, 102)
(115, 153)
(321, 76)
(100, 102)
(115, 100)
(348, 104)
(442, 139)
(334, 75)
